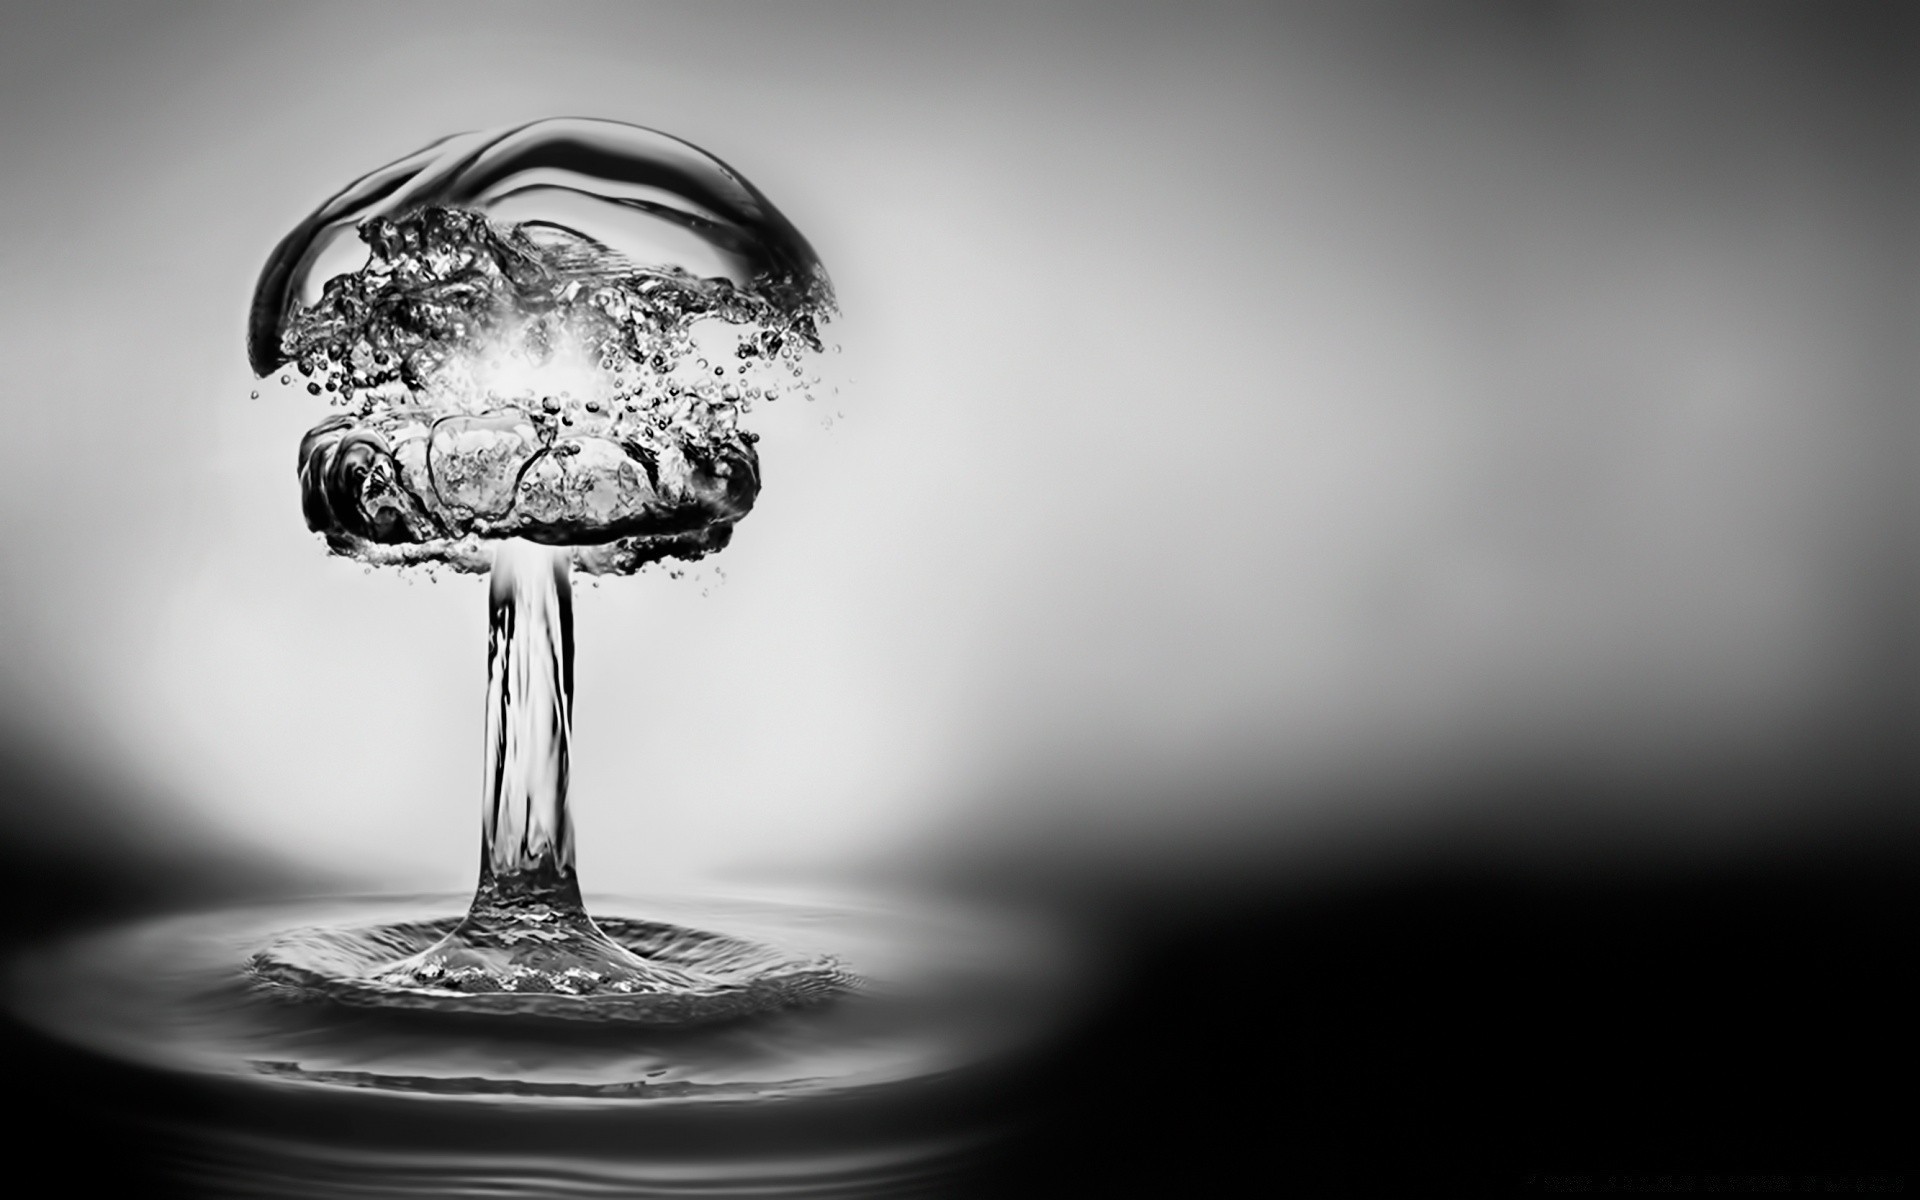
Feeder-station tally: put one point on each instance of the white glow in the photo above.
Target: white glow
(505, 371)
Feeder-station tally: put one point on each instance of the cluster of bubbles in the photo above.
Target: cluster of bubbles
(528, 379)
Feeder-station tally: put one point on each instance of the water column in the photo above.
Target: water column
(526, 831)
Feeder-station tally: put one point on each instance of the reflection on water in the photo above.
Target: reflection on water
(887, 1089)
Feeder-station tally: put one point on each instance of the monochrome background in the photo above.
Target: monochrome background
(1276, 451)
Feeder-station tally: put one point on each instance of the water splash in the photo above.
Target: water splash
(527, 943)
(543, 341)
(899, 1082)
(508, 961)
(550, 332)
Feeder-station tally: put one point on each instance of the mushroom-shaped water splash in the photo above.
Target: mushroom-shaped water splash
(541, 342)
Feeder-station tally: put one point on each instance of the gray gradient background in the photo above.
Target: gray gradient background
(1273, 436)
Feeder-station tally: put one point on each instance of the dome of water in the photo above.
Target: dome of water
(550, 332)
